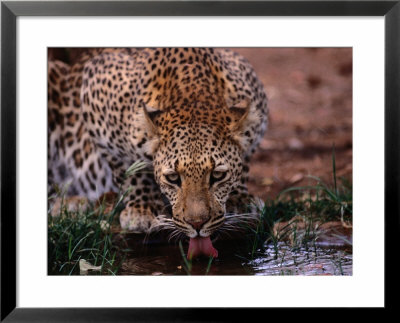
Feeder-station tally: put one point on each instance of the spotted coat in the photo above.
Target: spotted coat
(195, 115)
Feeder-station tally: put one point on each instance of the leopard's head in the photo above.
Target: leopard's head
(197, 157)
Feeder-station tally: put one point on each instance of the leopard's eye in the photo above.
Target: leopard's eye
(218, 174)
(173, 178)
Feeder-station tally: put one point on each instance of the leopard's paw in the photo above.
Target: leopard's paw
(73, 204)
(136, 219)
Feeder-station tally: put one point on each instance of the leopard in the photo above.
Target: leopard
(194, 116)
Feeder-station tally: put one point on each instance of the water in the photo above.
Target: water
(303, 261)
(332, 257)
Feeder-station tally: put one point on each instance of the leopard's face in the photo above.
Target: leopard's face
(197, 182)
(197, 167)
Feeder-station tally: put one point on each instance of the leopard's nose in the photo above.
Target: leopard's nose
(197, 224)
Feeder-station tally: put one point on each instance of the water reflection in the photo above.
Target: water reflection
(319, 260)
(234, 259)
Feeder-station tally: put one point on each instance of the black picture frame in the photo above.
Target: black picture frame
(10, 10)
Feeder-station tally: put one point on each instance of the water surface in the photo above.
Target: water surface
(317, 258)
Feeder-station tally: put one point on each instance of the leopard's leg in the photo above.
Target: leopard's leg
(137, 218)
(143, 202)
(240, 201)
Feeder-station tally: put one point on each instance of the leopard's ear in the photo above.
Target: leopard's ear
(153, 135)
(240, 113)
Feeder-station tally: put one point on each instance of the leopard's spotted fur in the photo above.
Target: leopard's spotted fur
(194, 114)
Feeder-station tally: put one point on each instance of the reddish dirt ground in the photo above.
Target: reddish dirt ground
(310, 103)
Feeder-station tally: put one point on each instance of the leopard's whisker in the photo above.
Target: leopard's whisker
(176, 234)
(238, 221)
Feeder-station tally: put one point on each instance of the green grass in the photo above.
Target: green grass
(86, 235)
(187, 263)
(73, 236)
(290, 225)
(314, 204)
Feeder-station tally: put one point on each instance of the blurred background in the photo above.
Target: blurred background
(310, 104)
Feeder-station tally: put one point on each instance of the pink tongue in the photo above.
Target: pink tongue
(201, 246)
